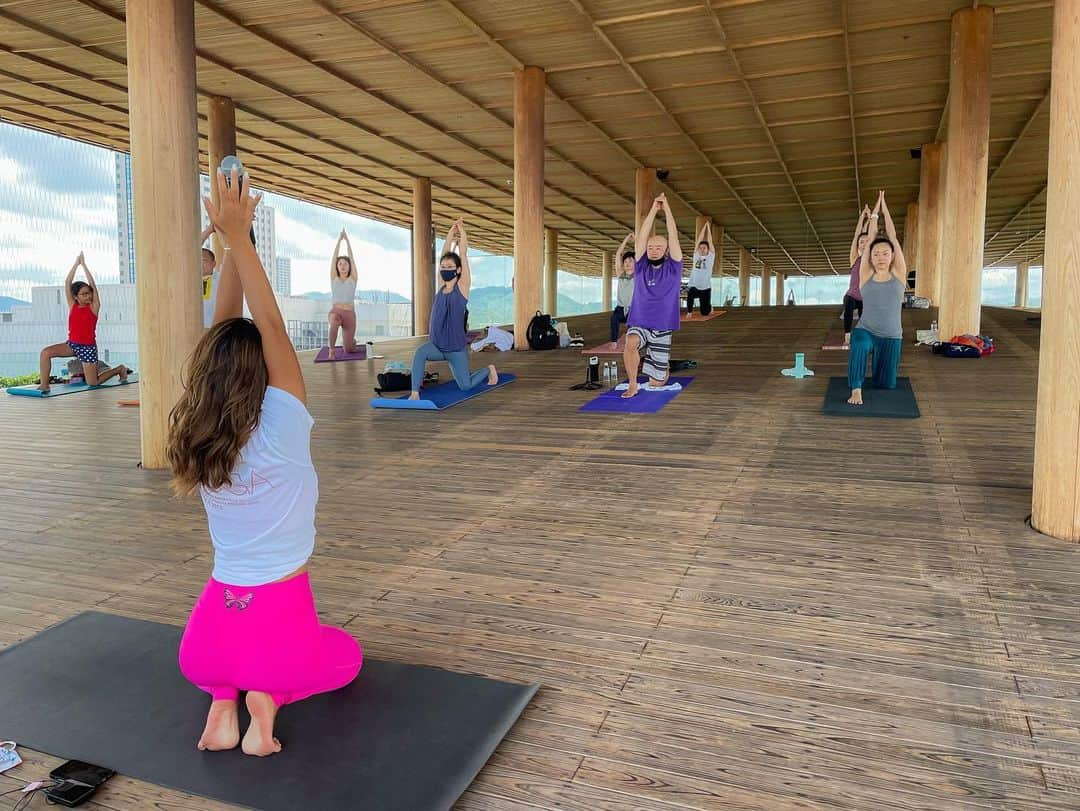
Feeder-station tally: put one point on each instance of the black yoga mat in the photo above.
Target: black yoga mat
(107, 689)
(898, 402)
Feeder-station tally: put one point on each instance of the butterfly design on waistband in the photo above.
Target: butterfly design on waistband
(239, 603)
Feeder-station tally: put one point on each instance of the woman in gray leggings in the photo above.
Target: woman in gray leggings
(446, 331)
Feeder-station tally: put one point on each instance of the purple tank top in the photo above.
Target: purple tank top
(447, 326)
(853, 284)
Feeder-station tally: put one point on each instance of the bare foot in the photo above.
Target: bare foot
(414, 396)
(43, 388)
(259, 739)
(856, 397)
(631, 390)
(847, 339)
(222, 727)
(493, 376)
(124, 373)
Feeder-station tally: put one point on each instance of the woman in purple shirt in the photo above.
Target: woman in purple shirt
(853, 298)
(446, 331)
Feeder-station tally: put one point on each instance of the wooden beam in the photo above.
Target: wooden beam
(551, 271)
(851, 105)
(423, 284)
(528, 198)
(165, 182)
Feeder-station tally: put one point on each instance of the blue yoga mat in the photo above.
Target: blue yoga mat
(59, 389)
(445, 395)
(646, 402)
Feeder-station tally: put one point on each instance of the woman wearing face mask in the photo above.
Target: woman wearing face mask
(446, 330)
(882, 278)
(342, 313)
(84, 306)
(853, 298)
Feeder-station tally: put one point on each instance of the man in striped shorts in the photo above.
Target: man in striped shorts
(654, 316)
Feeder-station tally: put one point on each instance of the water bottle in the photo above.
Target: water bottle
(933, 326)
(607, 372)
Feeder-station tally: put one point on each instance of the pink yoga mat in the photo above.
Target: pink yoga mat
(699, 317)
(340, 354)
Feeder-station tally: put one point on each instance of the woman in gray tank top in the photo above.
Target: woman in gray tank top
(882, 278)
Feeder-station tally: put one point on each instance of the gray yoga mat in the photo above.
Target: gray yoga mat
(897, 403)
(107, 689)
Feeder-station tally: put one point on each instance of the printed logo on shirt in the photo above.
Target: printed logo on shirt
(242, 491)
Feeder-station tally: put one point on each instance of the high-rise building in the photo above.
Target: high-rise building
(282, 282)
(265, 233)
(125, 221)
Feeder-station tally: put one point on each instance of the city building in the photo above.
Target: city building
(282, 281)
(265, 232)
(125, 222)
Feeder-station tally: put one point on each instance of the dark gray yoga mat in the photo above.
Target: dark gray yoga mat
(107, 689)
(896, 403)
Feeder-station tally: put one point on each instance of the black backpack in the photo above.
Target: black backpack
(401, 381)
(541, 333)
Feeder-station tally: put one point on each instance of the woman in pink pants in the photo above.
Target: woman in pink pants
(241, 436)
(342, 313)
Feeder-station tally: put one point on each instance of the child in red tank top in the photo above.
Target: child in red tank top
(82, 299)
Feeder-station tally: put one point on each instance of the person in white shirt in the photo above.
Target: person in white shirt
(624, 272)
(211, 272)
(241, 436)
(342, 313)
(700, 283)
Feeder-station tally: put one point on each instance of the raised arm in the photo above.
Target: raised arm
(863, 217)
(70, 280)
(95, 298)
(229, 302)
(205, 235)
(465, 282)
(232, 216)
(353, 271)
(622, 249)
(334, 255)
(708, 237)
(641, 240)
(449, 241)
(674, 248)
(899, 265)
(866, 270)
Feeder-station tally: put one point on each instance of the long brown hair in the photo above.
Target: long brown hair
(223, 395)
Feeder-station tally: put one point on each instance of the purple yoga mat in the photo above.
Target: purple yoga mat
(646, 402)
(340, 354)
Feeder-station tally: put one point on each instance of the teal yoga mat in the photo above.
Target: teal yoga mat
(60, 389)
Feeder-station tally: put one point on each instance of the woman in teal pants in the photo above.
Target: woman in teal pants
(882, 278)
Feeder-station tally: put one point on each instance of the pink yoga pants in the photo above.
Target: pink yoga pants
(266, 638)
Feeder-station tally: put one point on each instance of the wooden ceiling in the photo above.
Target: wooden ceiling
(774, 117)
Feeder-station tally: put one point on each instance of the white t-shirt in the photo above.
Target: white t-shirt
(701, 272)
(209, 297)
(263, 524)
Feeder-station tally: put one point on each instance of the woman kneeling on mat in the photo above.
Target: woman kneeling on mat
(882, 278)
(342, 313)
(241, 436)
(446, 330)
(84, 306)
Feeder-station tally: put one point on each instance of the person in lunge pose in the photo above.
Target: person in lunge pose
(699, 285)
(83, 308)
(654, 316)
(882, 278)
(241, 436)
(853, 298)
(624, 272)
(447, 339)
(342, 313)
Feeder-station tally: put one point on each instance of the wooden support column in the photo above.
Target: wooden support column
(966, 171)
(766, 277)
(165, 185)
(1022, 284)
(528, 197)
(605, 274)
(423, 261)
(644, 194)
(744, 277)
(551, 270)
(718, 244)
(1055, 508)
(221, 126)
(931, 221)
(779, 291)
(911, 237)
